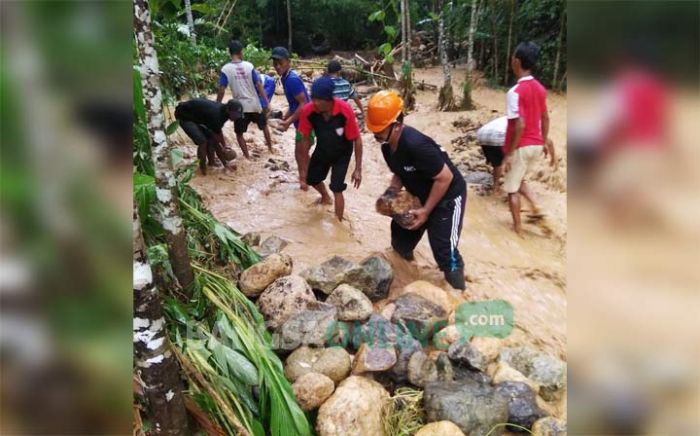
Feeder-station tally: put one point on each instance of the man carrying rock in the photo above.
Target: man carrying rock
(203, 121)
(334, 122)
(491, 137)
(247, 88)
(423, 167)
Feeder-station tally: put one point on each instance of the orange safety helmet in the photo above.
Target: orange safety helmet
(383, 109)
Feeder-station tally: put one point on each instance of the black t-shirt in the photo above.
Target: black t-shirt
(417, 160)
(211, 114)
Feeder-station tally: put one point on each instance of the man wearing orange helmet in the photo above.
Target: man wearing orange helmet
(421, 166)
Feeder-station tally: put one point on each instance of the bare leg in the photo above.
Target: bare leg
(268, 138)
(528, 196)
(202, 156)
(242, 144)
(339, 205)
(325, 198)
(497, 172)
(514, 200)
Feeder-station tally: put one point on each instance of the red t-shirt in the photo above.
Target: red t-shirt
(526, 100)
(342, 116)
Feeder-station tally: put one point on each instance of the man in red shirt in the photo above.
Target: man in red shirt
(528, 128)
(337, 134)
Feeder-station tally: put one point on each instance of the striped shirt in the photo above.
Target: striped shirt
(343, 89)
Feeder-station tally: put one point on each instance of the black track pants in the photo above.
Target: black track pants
(444, 227)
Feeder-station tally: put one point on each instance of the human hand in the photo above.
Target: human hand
(420, 216)
(356, 177)
(507, 163)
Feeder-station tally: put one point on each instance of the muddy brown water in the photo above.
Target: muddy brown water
(528, 272)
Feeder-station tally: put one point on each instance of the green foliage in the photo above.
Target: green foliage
(232, 350)
(259, 57)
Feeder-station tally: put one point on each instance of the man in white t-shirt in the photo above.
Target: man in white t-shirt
(246, 87)
(491, 137)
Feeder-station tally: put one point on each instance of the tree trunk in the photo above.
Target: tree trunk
(558, 56)
(506, 68)
(494, 28)
(289, 25)
(407, 9)
(403, 32)
(166, 189)
(446, 96)
(470, 43)
(154, 362)
(190, 21)
(448, 32)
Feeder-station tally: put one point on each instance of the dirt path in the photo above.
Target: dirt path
(529, 272)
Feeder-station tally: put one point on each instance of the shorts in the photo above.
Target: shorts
(198, 133)
(336, 162)
(524, 159)
(298, 136)
(494, 154)
(240, 126)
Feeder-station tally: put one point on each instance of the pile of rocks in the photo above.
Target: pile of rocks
(344, 357)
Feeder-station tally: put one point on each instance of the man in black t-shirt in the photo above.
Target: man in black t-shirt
(203, 121)
(424, 169)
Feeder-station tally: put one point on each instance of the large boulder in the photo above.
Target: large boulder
(418, 313)
(421, 369)
(284, 298)
(544, 369)
(373, 276)
(522, 405)
(440, 428)
(466, 355)
(312, 326)
(354, 409)
(255, 279)
(396, 204)
(549, 426)
(475, 408)
(332, 362)
(351, 303)
(312, 389)
(445, 370)
(329, 274)
(373, 359)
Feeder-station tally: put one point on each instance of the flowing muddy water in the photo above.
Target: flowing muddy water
(528, 272)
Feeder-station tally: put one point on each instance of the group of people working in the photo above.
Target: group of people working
(323, 117)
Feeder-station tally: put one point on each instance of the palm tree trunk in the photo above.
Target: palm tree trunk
(446, 96)
(166, 189)
(470, 43)
(154, 362)
(404, 39)
(558, 56)
(190, 21)
(407, 12)
(289, 25)
(506, 68)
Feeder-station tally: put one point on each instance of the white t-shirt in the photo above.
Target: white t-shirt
(493, 133)
(240, 81)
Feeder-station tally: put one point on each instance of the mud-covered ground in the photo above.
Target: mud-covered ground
(529, 272)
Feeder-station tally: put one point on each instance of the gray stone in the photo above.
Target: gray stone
(284, 298)
(351, 303)
(377, 331)
(329, 274)
(522, 405)
(251, 238)
(444, 368)
(465, 354)
(421, 369)
(312, 326)
(418, 313)
(373, 276)
(371, 359)
(332, 362)
(475, 408)
(549, 426)
(406, 345)
(544, 369)
(271, 245)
